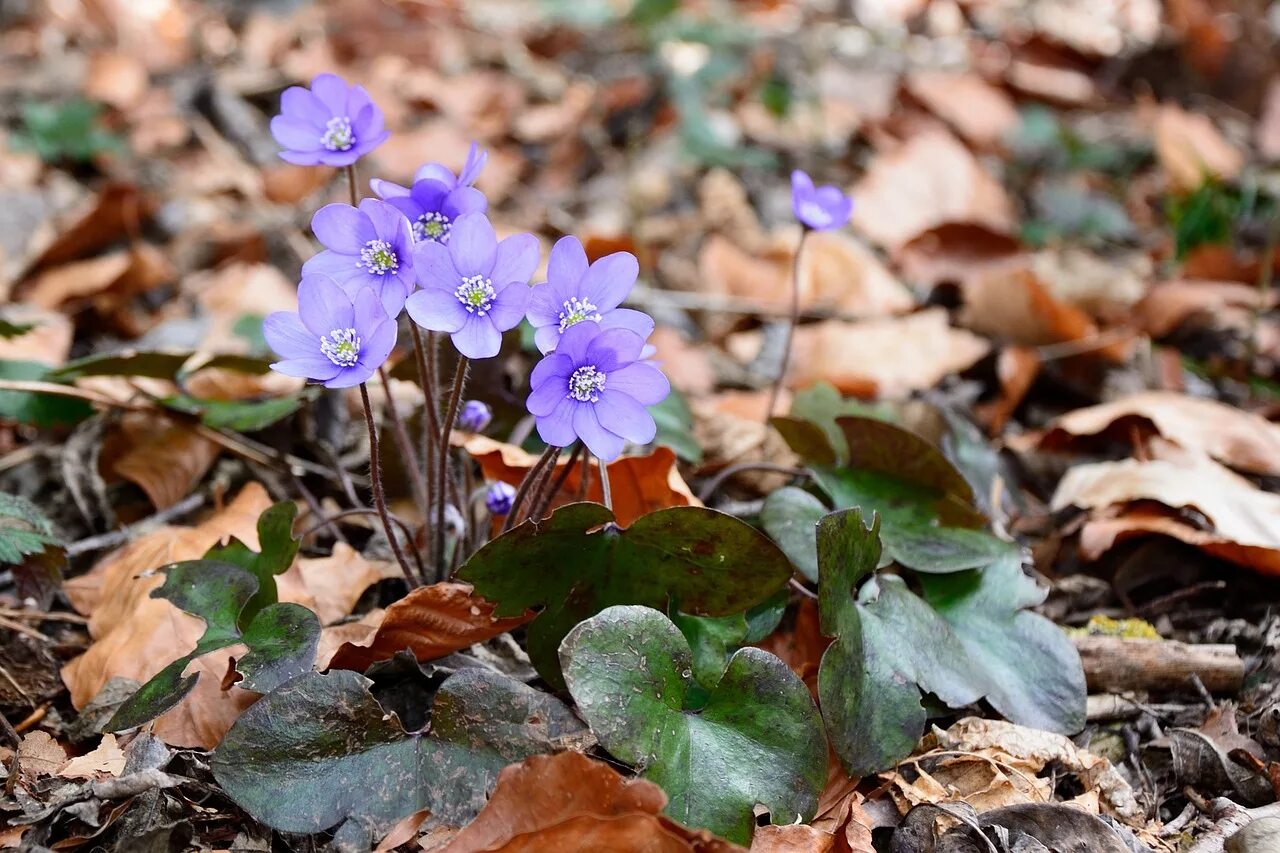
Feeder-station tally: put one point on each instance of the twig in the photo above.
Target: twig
(379, 497)
(604, 484)
(353, 187)
(539, 509)
(188, 504)
(719, 479)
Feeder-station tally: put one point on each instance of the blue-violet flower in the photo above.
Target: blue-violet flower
(368, 246)
(498, 498)
(474, 287)
(330, 124)
(332, 338)
(594, 387)
(437, 172)
(820, 208)
(575, 292)
(475, 416)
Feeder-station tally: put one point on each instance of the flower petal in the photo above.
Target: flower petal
(436, 172)
(509, 304)
(607, 446)
(472, 167)
(288, 338)
(801, 183)
(297, 102)
(546, 338)
(473, 245)
(545, 397)
(433, 266)
(515, 259)
(437, 310)
(296, 134)
(623, 415)
(478, 338)
(387, 222)
(613, 349)
(349, 376)
(544, 306)
(367, 312)
(553, 368)
(304, 158)
(429, 194)
(464, 200)
(316, 367)
(323, 306)
(610, 279)
(386, 189)
(642, 381)
(377, 346)
(337, 266)
(392, 291)
(332, 91)
(567, 263)
(628, 318)
(343, 228)
(576, 339)
(557, 428)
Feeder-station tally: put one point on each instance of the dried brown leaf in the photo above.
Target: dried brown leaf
(106, 760)
(165, 459)
(1190, 149)
(981, 113)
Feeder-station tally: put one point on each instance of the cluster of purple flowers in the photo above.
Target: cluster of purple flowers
(429, 250)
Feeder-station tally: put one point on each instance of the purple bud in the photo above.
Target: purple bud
(819, 208)
(499, 497)
(475, 416)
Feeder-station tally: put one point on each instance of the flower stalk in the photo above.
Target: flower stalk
(379, 495)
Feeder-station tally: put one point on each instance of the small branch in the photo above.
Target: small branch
(539, 509)
(353, 187)
(122, 536)
(379, 497)
(1120, 664)
(604, 484)
(713, 485)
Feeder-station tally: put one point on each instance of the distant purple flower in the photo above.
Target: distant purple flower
(474, 288)
(332, 338)
(367, 246)
(594, 387)
(498, 498)
(475, 416)
(820, 208)
(575, 292)
(432, 207)
(330, 124)
(438, 172)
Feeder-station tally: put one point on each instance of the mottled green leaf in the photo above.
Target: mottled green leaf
(320, 750)
(275, 537)
(791, 515)
(149, 364)
(675, 427)
(578, 562)
(756, 738)
(24, 529)
(712, 639)
(282, 641)
(238, 415)
(821, 405)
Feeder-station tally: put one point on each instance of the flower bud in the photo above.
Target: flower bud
(499, 497)
(475, 416)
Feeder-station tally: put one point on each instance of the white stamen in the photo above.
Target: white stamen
(575, 311)
(476, 294)
(337, 134)
(585, 385)
(432, 226)
(378, 257)
(342, 346)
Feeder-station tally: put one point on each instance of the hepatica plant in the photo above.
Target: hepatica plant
(648, 619)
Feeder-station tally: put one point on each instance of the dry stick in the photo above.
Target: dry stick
(442, 460)
(379, 497)
(526, 484)
(539, 509)
(719, 479)
(791, 331)
(405, 446)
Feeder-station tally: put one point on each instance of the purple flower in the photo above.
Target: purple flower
(330, 124)
(432, 207)
(438, 172)
(332, 338)
(575, 292)
(475, 416)
(820, 208)
(595, 387)
(367, 246)
(498, 498)
(474, 288)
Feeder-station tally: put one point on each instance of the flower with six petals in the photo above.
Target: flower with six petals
(332, 338)
(330, 124)
(368, 246)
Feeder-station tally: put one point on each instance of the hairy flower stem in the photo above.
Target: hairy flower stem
(539, 508)
(379, 496)
(526, 485)
(442, 460)
(791, 332)
(416, 478)
(352, 185)
(538, 491)
(604, 483)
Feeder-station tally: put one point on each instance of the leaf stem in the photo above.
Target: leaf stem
(379, 497)
(442, 460)
(791, 331)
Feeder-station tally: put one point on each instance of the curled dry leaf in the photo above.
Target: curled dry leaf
(1190, 149)
(104, 281)
(953, 253)
(1223, 304)
(570, 802)
(332, 585)
(106, 760)
(1234, 437)
(118, 211)
(888, 357)
(930, 180)
(1243, 521)
(838, 272)
(163, 458)
(431, 621)
(639, 484)
(981, 113)
(792, 838)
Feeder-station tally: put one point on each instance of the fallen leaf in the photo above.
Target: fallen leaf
(1221, 304)
(118, 211)
(48, 341)
(115, 78)
(431, 621)
(978, 111)
(165, 459)
(40, 755)
(889, 357)
(685, 364)
(763, 279)
(107, 759)
(103, 281)
(1190, 149)
(556, 120)
(639, 484)
(1234, 437)
(1042, 76)
(953, 253)
(1016, 369)
(335, 583)
(838, 272)
(928, 181)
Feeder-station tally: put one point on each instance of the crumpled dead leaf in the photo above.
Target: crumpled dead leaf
(1190, 149)
(639, 484)
(106, 760)
(567, 801)
(1234, 437)
(431, 621)
(978, 111)
(1220, 304)
(164, 458)
(884, 357)
(930, 180)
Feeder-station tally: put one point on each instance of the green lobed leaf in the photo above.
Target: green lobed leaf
(712, 639)
(675, 427)
(42, 410)
(238, 415)
(275, 537)
(757, 737)
(821, 404)
(791, 515)
(24, 529)
(578, 562)
(149, 364)
(320, 750)
(282, 641)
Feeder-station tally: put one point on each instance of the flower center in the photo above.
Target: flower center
(432, 226)
(342, 346)
(337, 134)
(476, 294)
(585, 384)
(575, 311)
(378, 257)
